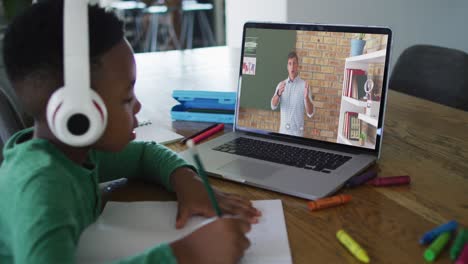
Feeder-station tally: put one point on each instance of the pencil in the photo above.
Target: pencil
(202, 174)
(184, 140)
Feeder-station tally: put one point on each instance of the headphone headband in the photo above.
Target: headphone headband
(76, 114)
(76, 48)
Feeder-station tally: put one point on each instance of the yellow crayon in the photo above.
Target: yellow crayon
(352, 246)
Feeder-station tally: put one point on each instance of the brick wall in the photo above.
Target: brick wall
(322, 57)
(321, 63)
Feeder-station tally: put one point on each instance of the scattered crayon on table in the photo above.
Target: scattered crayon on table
(463, 258)
(432, 234)
(328, 202)
(361, 179)
(390, 181)
(352, 246)
(431, 253)
(457, 246)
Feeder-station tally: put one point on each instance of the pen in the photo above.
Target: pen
(184, 140)
(201, 172)
(352, 246)
(115, 185)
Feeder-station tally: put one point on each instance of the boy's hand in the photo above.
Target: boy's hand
(222, 241)
(193, 200)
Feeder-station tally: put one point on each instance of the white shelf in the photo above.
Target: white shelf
(354, 101)
(370, 120)
(349, 104)
(372, 57)
(347, 141)
(353, 142)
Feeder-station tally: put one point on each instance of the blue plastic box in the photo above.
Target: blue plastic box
(192, 100)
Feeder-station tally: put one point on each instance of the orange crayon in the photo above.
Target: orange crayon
(329, 202)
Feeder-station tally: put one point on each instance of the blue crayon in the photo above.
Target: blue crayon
(429, 236)
(361, 179)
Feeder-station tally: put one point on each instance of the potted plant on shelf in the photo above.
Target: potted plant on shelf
(362, 139)
(357, 44)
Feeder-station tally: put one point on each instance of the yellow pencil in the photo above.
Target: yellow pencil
(352, 246)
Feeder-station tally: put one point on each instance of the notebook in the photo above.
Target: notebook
(127, 229)
(310, 108)
(148, 131)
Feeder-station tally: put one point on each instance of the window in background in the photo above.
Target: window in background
(158, 25)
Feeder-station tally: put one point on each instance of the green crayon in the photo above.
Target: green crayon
(436, 247)
(457, 246)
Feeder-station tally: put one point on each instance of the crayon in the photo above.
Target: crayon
(352, 246)
(328, 202)
(431, 253)
(457, 245)
(361, 179)
(208, 133)
(463, 258)
(430, 235)
(390, 181)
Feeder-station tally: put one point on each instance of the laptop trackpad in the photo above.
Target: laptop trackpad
(244, 168)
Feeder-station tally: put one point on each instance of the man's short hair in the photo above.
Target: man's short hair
(293, 54)
(33, 46)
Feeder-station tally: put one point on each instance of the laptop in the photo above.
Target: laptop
(310, 108)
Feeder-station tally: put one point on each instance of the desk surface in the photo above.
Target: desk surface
(422, 139)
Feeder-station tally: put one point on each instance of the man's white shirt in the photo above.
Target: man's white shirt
(292, 107)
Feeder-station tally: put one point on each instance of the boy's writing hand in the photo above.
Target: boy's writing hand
(193, 200)
(222, 241)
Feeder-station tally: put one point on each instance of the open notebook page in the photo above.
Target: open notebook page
(126, 229)
(150, 131)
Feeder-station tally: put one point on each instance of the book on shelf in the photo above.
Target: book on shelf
(353, 84)
(352, 126)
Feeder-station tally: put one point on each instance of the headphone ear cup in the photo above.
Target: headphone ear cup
(53, 105)
(76, 122)
(101, 111)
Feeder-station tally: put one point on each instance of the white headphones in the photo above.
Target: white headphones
(76, 114)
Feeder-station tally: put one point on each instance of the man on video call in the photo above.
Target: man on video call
(294, 96)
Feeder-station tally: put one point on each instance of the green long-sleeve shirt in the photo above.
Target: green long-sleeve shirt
(46, 200)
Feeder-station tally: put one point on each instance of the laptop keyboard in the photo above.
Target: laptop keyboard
(284, 154)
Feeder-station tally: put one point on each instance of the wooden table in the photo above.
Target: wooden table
(422, 139)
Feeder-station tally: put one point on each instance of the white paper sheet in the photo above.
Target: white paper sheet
(152, 132)
(126, 229)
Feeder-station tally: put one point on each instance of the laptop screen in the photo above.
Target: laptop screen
(316, 82)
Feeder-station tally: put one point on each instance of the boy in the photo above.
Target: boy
(49, 191)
